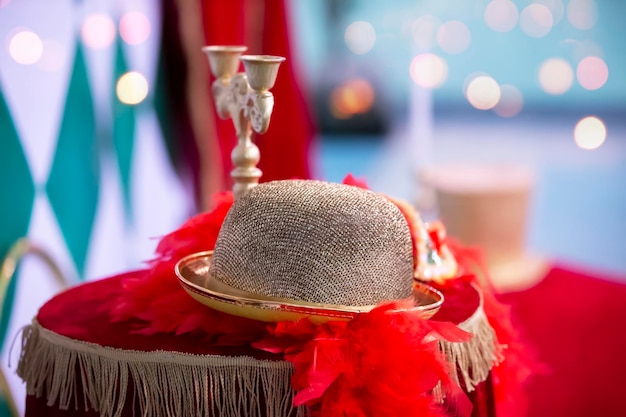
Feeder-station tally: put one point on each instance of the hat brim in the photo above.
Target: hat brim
(193, 274)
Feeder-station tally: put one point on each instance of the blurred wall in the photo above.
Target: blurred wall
(84, 169)
(545, 55)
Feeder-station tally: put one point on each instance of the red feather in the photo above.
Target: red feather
(356, 182)
(156, 298)
(384, 363)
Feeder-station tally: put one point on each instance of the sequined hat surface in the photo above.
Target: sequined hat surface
(297, 248)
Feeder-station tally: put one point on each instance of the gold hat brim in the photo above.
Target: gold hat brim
(193, 274)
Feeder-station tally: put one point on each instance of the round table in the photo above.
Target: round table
(77, 362)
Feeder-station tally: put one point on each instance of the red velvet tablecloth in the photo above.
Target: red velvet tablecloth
(575, 321)
(78, 314)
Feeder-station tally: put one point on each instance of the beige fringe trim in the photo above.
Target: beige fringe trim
(185, 385)
(181, 385)
(474, 359)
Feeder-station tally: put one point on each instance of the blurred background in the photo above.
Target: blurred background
(100, 153)
(537, 83)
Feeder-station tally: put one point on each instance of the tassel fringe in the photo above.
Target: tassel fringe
(182, 385)
(474, 359)
(185, 385)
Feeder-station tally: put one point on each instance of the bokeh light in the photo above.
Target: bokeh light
(4, 3)
(98, 31)
(355, 96)
(429, 70)
(454, 37)
(585, 48)
(132, 88)
(582, 14)
(360, 37)
(25, 47)
(592, 73)
(501, 15)
(536, 20)
(556, 76)
(483, 92)
(556, 7)
(54, 55)
(470, 77)
(134, 28)
(589, 133)
(511, 101)
(424, 31)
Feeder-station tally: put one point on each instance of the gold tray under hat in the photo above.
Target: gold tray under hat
(193, 274)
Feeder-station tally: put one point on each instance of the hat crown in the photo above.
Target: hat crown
(315, 242)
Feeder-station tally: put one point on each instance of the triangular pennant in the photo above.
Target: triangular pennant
(17, 194)
(123, 130)
(163, 111)
(75, 175)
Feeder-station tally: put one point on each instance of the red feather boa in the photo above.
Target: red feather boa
(158, 300)
(381, 364)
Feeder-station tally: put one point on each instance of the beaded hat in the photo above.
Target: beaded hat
(295, 248)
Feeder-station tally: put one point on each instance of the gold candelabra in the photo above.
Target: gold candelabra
(245, 98)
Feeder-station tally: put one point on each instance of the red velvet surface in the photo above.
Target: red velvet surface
(79, 313)
(461, 301)
(575, 322)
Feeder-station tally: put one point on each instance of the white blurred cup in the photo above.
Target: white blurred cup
(488, 206)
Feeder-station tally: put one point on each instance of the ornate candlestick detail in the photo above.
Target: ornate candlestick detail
(244, 98)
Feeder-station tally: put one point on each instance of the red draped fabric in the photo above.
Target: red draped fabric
(285, 147)
(575, 322)
(224, 24)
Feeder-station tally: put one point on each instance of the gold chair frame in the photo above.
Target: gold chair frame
(20, 249)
